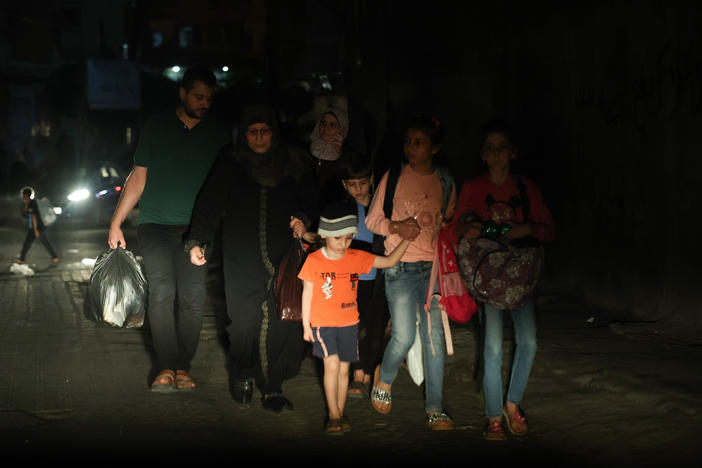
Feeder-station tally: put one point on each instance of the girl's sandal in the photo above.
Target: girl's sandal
(355, 389)
(381, 400)
(334, 427)
(164, 382)
(184, 381)
(439, 421)
(516, 423)
(345, 424)
(494, 431)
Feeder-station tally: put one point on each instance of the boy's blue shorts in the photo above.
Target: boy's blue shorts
(329, 341)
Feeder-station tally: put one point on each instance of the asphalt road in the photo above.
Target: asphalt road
(602, 392)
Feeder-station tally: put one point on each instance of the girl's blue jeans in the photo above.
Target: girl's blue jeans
(525, 339)
(406, 287)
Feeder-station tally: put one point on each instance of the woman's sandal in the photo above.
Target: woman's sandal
(164, 382)
(184, 381)
(516, 424)
(381, 400)
(439, 421)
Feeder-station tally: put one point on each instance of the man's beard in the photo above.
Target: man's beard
(193, 115)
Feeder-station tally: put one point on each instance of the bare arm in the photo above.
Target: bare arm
(394, 257)
(306, 309)
(34, 223)
(131, 194)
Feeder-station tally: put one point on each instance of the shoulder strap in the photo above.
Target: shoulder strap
(393, 176)
(521, 186)
(447, 184)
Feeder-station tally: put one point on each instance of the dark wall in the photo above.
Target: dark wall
(607, 98)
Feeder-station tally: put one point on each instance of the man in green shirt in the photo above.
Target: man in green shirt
(176, 149)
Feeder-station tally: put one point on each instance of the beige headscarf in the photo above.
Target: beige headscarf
(327, 151)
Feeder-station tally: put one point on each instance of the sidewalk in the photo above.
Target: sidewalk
(602, 393)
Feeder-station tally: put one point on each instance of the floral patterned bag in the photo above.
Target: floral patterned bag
(499, 273)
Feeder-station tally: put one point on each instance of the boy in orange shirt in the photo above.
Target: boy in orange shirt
(329, 311)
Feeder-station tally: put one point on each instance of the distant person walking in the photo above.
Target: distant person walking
(176, 149)
(35, 228)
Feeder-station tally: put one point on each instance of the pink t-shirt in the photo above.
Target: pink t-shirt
(417, 196)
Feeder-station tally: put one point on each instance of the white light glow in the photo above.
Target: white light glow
(175, 69)
(225, 68)
(79, 195)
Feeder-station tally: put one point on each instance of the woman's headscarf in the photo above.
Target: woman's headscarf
(321, 149)
(273, 166)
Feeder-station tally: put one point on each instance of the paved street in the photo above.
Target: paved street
(602, 392)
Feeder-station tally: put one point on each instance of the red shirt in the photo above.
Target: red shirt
(474, 197)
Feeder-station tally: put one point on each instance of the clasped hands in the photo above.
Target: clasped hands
(408, 228)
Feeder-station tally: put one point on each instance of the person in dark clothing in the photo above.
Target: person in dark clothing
(35, 228)
(259, 190)
(175, 153)
(329, 148)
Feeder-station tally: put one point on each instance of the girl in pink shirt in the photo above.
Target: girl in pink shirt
(417, 205)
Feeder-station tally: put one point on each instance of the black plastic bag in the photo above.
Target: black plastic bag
(117, 291)
(288, 287)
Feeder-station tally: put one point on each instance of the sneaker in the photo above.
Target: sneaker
(494, 431)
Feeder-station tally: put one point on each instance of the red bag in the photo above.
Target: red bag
(455, 299)
(288, 287)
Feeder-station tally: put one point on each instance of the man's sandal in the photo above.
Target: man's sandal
(164, 382)
(184, 381)
(516, 423)
(439, 421)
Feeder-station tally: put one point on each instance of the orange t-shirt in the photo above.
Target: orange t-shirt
(335, 286)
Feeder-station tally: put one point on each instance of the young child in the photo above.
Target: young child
(329, 311)
(357, 180)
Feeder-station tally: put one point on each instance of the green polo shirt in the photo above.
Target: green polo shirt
(177, 161)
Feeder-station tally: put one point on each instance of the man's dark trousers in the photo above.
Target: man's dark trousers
(175, 326)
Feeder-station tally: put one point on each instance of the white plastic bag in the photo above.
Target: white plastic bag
(117, 290)
(415, 361)
(21, 269)
(46, 211)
